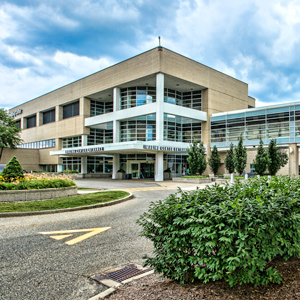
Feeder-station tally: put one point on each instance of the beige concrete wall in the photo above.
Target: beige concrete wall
(28, 158)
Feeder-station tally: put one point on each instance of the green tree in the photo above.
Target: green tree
(284, 158)
(261, 160)
(215, 160)
(229, 160)
(9, 132)
(240, 157)
(277, 158)
(13, 169)
(196, 157)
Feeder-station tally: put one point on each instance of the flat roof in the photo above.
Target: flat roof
(297, 102)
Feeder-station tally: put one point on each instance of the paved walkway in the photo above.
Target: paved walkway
(133, 185)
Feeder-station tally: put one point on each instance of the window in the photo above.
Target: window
(71, 110)
(137, 96)
(31, 121)
(72, 142)
(49, 116)
(18, 123)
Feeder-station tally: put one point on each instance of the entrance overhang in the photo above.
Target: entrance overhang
(124, 148)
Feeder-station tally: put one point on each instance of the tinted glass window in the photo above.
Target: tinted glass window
(71, 110)
(49, 116)
(31, 122)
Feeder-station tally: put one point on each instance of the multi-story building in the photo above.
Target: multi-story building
(139, 115)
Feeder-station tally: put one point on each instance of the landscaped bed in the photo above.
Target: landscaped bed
(65, 202)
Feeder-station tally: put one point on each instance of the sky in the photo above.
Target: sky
(45, 44)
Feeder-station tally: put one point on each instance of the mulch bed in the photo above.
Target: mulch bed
(154, 288)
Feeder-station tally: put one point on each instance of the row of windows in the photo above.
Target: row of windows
(99, 108)
(137, 96)
(71, 142)
(192, 99)
(99, 164)
(180, 129)
(138, 129)
(279, 124)
(69, 110)
(95, 164)
(39, 144)
(72, 163)
(176, 162)
(100, 136)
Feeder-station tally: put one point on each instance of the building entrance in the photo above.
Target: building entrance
(140, 170)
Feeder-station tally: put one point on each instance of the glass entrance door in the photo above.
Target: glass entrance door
(135, 170)
(147, 170)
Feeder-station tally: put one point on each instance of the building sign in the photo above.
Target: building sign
(164, 148)
(16, 112)
(84, 150)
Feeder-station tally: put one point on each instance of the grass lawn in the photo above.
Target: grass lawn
(65, 202)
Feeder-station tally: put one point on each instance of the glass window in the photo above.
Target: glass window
(49, 116)
(31, 121)
(71, 110)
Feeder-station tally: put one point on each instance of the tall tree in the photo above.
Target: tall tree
(277, 158)
(229, 160)
(240, 157)
(196, 157)
(261, 160)
(9, 132)
(215, 160)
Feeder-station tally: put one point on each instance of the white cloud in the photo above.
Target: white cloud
(22, 84)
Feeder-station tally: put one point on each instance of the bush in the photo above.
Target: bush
(12, 170)
(225, 232)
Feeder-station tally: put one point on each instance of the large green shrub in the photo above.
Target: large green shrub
(196, 157)
(231, 232)
(12, 170)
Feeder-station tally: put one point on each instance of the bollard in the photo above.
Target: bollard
(246, 176)
(231, 180)
(258, 176)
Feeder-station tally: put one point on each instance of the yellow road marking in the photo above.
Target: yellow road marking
(60, 237)
(91, 232)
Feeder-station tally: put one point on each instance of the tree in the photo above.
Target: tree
(277, 158)
(13, 169)
(261, 160)
(215, 160)
(240, 157)
(229, 160)
(9, 132)
(284, 158)
(196, 157)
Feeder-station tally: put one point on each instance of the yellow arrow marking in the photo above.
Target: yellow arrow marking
(60, 237)
(91, 232)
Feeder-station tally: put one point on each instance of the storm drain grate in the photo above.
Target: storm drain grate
(123, 274)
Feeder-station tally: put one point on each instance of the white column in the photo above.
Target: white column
(83, 165)
(116, 165)
(116, 104)
(159, 107)
(59, 168)
(159, 166)
(84, 140)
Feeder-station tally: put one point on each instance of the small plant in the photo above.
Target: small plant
(231, 232)
(12, 170)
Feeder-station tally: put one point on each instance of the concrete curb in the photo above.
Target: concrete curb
(44, 212)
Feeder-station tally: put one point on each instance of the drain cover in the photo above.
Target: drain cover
(122, 274)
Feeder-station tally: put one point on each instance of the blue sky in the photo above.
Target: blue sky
(45, 44)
